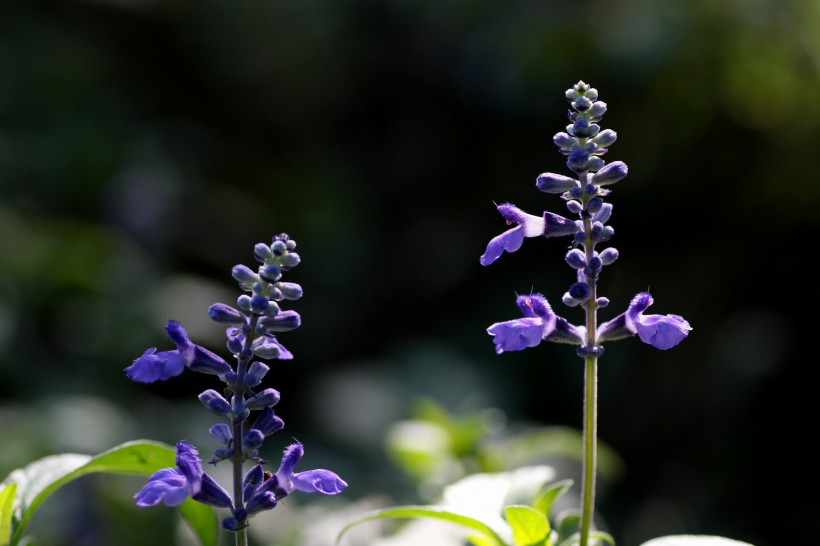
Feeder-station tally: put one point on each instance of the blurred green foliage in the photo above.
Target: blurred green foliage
(145, 145)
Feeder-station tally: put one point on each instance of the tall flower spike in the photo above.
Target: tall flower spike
(584, 143)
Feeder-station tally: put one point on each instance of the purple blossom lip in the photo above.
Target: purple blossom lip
(527, 225)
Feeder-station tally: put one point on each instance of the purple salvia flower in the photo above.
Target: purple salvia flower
(265, 495)
(153, 366)
(172, 486)
(528, 225)
(660, 331)
(539, 323)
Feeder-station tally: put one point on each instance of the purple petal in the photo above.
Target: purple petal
(189, 464)
(178, 334)
(511, 240)
(662, 331)
(319, 481)
(153, 366)
(534, 305)
(290, 457)
(167, 485)
(518, 334)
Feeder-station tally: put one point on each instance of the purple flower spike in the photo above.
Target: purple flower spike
(153, 366)
(173, 485)
(661, 331)
(528, 225)
(539, 323)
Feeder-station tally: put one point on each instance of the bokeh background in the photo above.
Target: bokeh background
(146, 145)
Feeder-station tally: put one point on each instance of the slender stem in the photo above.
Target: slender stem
(238, 459)
(590, 381)
(590, 445)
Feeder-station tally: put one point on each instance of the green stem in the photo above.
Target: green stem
(590, 445)
(241, 535)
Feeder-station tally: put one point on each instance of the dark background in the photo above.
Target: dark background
(145, 146)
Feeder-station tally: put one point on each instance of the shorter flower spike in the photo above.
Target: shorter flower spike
(539, 323)
(660, 331)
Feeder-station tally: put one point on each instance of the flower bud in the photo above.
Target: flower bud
(259, 304)
(605, 138)
(595, 163)
(596, 110)
(243, 274)
(608, 255)
(244, 302)
(283, 322)
(262, 252)
(270, 273)
(221, 434)
(289, 260)
(576, 259)
(265, 399)
(581, 104)
(574, 206)
(579, 291)
(215, 402)
(256, 372)
(554, 183)
(219, 312)
(278, 247)
(594, 205)
(563, 140)
(290, 290)
(610, 174)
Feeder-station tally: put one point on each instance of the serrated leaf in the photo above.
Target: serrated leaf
(6, 507)
(529, 526)
(435, 512)
(40, 479)
(543, 502)
(694, 540)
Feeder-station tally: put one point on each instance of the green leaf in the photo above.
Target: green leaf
(6, 504)
(568, 525)
(530, 527)
(694, 540)
(543, 502)
(435, 512)
(37, 481)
